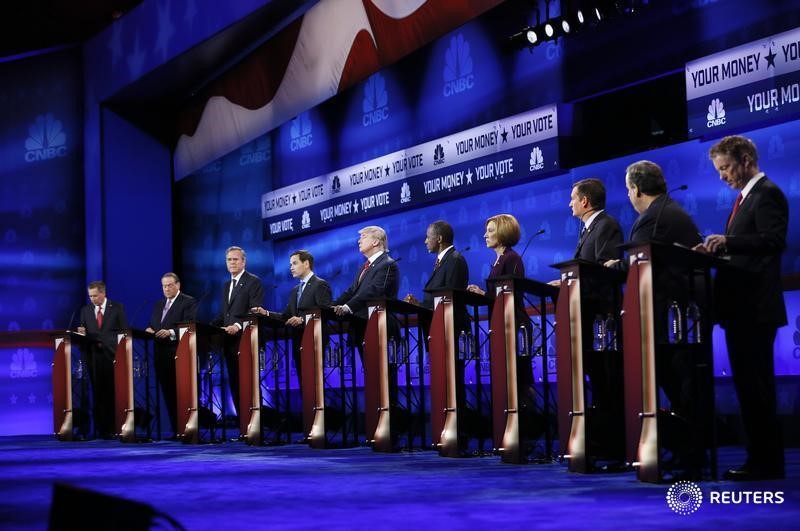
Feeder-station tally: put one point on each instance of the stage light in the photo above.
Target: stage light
(532, 36)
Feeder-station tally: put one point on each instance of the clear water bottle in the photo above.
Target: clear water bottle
(137, 366)
(611, 333)
(463, 345)
(391, 349)
(262, 361)
(79, 370)
(598, 333)
(327, 355)
(523, 349)
(693, 323)
(675, 323)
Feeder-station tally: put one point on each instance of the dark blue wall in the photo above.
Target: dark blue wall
(137, 216)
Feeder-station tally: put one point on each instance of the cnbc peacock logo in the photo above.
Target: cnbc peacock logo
(716, 113)
(46, 139)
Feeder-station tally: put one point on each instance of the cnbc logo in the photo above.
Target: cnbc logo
(375, 104)
(300, 132)
(537, 160)
(716, 113)
(458, 76)
(46, 139)
(438, 155)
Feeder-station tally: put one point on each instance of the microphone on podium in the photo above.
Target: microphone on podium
(538, 233)
(71, 318)
(386, 277)
(663, 204)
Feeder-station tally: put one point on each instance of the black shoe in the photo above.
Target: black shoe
(753, 473)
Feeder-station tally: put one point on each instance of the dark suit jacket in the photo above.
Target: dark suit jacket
(316, 294)
(452, 273)
(247, 294)
(114, 320)
(599, 243)
(674, 224)
(510, 263)
(380, 281)
(184, 308)
(756, 239)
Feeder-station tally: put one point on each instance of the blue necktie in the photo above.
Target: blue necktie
(299, 293)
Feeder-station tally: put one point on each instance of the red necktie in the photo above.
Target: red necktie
(735, 209)
(363, 271)
(99, 317)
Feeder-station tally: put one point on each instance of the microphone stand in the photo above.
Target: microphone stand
(662, 205)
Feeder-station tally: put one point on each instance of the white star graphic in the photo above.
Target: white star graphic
(355, 207)
(469, 176)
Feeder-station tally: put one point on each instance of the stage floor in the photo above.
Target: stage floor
(233, 486)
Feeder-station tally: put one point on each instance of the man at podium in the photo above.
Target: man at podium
(100, 322)
(600, 233)
(311, 292)
(664, 220)
(377, 279)
(176, 307)
(240, 293)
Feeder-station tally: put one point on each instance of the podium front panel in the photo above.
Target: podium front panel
(249, 385)
(62, 388)
(186, 384)
(123, 388)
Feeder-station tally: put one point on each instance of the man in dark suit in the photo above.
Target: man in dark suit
(242, 292)
(100, 321)
(176, 307)
(311, 292)
(599, 241)
(376, 279)
(450, 270)
(600, 233)
(749, 299)
(664, 220)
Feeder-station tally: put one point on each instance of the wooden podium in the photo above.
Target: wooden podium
(648, 261)
(323, 323)
(62, 382)
(251, 395)
(379, 370)
(588, 290)
(442, 345)
(125, 410)
(508, 439)
(187, 376)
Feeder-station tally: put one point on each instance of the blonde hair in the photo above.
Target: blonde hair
(377, 233)
(508, 229)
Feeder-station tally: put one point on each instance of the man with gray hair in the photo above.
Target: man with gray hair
(376, 279)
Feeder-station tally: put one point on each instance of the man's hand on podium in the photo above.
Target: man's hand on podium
(259, 310)
(556, 283)
(342, 310)
(294, 321)
(611, 263)
(81, 330)
(411, 299)
(232, 330)
(475, 289)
